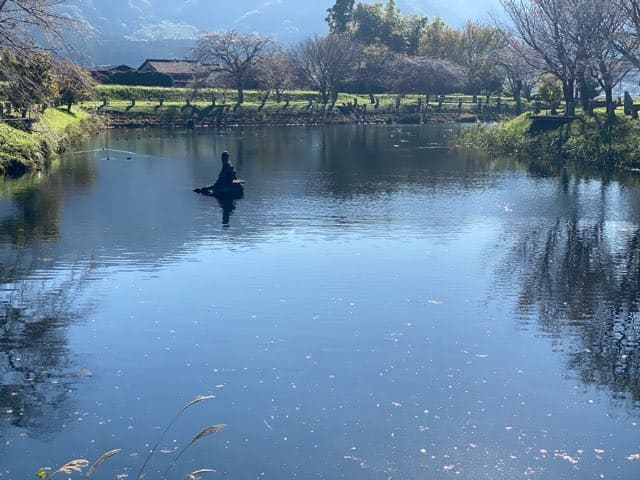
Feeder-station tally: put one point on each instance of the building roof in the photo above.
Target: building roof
(172, 67)
(111, 68)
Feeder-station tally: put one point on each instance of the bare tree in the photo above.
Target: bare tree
(275, 72)
(548, 28)
(325, 63)
(426, 75)
(604, 20)
(580, 41)
(519, 75)
(628, 43)
(74, 83)
(23, 20)
(231, 53)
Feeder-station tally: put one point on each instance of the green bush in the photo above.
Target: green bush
(549, 88)
(589, 141)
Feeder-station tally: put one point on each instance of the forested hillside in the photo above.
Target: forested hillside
(128, 31)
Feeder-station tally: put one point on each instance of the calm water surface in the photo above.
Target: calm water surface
(375, 307)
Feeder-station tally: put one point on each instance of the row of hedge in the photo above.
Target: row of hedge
(146, 79)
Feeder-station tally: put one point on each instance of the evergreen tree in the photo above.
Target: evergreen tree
(339, 16)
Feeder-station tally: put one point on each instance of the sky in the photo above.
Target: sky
(286, 18)
(289, 21)
(312, 12)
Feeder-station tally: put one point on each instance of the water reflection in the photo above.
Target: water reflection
(228, 205)
(373, 161)
(579, 279)
(34, 217)
(349, 318)
(38, 373)
(142, 212)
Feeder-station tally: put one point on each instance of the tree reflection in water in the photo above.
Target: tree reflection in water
(580, 280)
(37, 370)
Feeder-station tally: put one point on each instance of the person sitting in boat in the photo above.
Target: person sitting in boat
(228, 173)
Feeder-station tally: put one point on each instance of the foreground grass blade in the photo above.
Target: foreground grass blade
(205, 432)
(105, 456)
(198, 399)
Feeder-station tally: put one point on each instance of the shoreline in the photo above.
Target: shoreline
(586, 142)
(23, 151)
(253, 118)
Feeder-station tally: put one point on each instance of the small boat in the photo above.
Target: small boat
(234, 189)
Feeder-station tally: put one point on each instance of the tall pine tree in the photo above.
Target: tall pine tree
(339, 16)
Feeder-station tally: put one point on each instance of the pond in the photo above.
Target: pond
(377, 306)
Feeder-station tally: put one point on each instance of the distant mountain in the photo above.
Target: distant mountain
(136, 29)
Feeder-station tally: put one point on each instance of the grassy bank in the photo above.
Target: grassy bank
(127, 106)
(22, 151)
(158, 106)
(587, 141)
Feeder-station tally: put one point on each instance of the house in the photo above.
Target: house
(102, 73)
(182, 71)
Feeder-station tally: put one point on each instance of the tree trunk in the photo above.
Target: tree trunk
(611, 111)
(567, 91)
(583, 91)
(517, 96)
(584, 97)
(334, 99)
(240, 92)
(263, 102)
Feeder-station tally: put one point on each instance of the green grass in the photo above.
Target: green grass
(176, 94)
(127, 106)
(17, 146)
(147, 97)
(587, 141)
(59, 119)
(21, 151)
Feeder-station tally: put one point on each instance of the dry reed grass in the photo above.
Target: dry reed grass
(195, 401)
(80, 464)
(105, 456)
(77, 465)
(207, 431)
(195, 475)
(73, 466)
